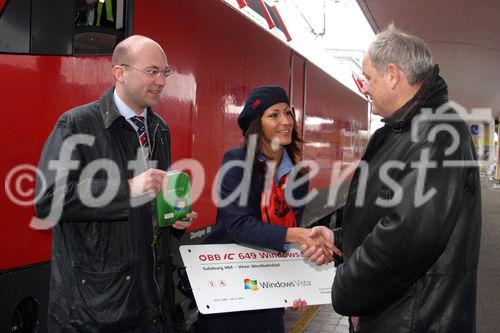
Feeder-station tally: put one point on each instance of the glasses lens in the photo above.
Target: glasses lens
(152, 72)
(167, 72)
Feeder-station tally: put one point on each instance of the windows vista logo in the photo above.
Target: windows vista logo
(276, 284)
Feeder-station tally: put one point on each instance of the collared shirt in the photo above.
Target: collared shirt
(284, 168)
(128, 113)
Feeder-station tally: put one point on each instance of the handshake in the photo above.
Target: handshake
(317, 244)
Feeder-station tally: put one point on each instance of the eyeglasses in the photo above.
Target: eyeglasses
(153, 72)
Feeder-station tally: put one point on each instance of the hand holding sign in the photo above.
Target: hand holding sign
(230, 277)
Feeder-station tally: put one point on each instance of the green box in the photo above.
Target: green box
(176, 203)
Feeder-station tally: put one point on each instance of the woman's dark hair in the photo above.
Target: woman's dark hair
(294, 149)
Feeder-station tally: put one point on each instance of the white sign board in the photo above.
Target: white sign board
(230, 277)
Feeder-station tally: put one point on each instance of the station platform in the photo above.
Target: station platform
(322, 319)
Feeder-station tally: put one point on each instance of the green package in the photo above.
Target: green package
(176, 202)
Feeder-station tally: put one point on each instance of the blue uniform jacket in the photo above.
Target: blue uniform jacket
(243, 224)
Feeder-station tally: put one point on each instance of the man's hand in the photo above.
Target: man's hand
(181, 225)
(151, 182)
(316, 254)
(324, 246)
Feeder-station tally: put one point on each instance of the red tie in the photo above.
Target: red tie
(141, 132)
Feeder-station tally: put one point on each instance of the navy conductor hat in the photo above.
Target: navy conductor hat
(258, 101)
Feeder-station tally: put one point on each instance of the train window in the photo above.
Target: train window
(258, 7)
(63, 27)
(277, 20)
(99, 25)
(51, 27)
(15, 26)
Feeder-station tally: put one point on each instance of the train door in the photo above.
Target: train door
(297, 88)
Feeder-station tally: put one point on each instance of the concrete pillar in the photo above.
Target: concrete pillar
(488, 144)
(483, 137)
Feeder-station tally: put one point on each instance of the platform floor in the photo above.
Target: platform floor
(322, 319)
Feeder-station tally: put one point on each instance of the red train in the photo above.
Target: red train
(50, 61)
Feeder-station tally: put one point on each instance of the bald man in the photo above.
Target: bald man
(111, 264)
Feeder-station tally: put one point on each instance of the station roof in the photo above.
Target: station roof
(464, 39)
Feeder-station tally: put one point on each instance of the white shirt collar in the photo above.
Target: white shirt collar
(286, 165)
(124, 109)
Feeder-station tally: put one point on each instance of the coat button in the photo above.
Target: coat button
(127, 277)
(84, 281)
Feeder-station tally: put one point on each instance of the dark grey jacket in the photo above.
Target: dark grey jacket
(111, 265)
(411, 266)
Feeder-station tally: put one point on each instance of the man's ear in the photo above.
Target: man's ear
(118, 73)
(393, 75)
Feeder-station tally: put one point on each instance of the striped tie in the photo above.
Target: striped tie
(141, 132)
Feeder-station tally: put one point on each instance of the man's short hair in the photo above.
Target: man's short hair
(124, 51)
(122, 55)
(411, 54)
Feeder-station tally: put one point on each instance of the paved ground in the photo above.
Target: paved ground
(322, 319)
(488, 295)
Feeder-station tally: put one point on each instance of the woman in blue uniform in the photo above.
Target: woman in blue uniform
(267, 219)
